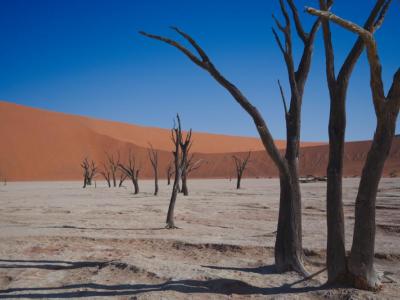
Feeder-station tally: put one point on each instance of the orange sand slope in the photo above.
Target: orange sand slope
(43, 145)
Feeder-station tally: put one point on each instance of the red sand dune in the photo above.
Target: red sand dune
(43, 145)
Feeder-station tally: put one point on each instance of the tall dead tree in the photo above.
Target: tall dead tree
(338, 85)
(288, 246)
(131, 170)
(113, 163)
(153, 156)
(105, 172)
(89, 171)
(361, 262)
(180, 143)
(240, 167)
(169, 172)
(188, 166)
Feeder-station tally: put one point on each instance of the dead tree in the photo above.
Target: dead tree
(288, 246)
(89, 171)
(361, 261)
(169, 173)
(240, 165)
(131, 170)
(105, 172)
(179, 159)
(122, 178)
(337, 85)
(188, 166)
(153, 156)
(113, 163)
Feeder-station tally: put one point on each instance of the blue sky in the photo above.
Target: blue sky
(85, 57)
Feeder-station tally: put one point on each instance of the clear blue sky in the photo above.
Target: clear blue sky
(85, 57)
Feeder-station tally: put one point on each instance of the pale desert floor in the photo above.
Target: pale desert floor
(58, 240)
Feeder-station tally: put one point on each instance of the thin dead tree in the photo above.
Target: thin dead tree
(169, 172)
(122, 177)
(153, 156)
(240, 166)
(288, 246)
(105, 172)
(338, 85)
(361, 261)
(131, 170)
(179, 143)
(113, 163)
(92, 172)
(188, 166)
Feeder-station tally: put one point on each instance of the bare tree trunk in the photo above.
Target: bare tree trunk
(288, 245)
(171, 208)
(239, 178)
(361, 263)
(184, 189)
(386, 109)
(136, 185)
(153, 156)
(155, 184)
(168, 178)
(336, 255)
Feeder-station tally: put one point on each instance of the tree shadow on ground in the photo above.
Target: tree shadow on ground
(221, 286)
(263, 270)
(50, 264)
(213, 286)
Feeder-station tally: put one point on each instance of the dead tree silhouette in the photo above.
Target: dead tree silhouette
(113, 163)
(361, 260)
(131, 170)
(105, 172)
(153, 156)
(240, 167)
(288, 246)
(338, 85)
(89, 171)
(169, 172)
(189, 166)
(122, 177)
(180, 144)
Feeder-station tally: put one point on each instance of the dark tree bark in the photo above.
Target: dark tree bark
(361, 262)
(131, 170)
(289, 233)
(179, 159)
(240, 165)
(336, 254)
(153, 156)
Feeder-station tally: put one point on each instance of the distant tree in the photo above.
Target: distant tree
(131, 170)
(179, 159)
(240, 166)
(113, 163)
(169, 172)
(89, 171)
(105, 172)
(122, 178)
(153, 156)
(338, 84)
(361, 261)
(288, 245)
